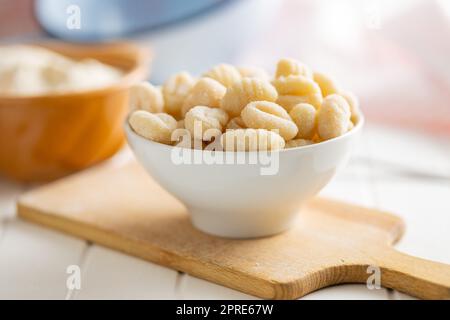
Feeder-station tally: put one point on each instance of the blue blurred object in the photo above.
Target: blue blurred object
(190, 35)
(107, 19)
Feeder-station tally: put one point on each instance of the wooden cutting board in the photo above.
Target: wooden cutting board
(122, 208)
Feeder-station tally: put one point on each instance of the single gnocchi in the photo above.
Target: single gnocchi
(206, 92)
(251, 140)
(296, 89)
(245, 91)
(296, 85)
(333, 117)
(270, 116)
(287, 67)
(224, 73)
(353, 103)
(153, 126)
(201, 118)
(175, 90)
(144, 96)
(304, 116)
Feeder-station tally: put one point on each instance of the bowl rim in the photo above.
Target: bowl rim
(355, 130)
(135, 73)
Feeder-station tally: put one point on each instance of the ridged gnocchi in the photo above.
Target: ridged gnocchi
(251, 140)
(201, 118)
(175, 90)
(206, 92)
(247, 90)
(287, 67)
(296, 89)
(224, 73)
(153, 126)
(270, 116)
(144, 96)
(327, 85)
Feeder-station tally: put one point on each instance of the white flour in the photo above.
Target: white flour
(29, 70)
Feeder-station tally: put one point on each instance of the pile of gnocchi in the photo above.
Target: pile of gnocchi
(296, 107)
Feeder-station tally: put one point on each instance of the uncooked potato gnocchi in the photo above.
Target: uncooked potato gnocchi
(200, 119)
(327, 85)
(333, 118)
(243, 109)
(175, 90)
(305, 89)
(270, 116)
(224, 73)
(304, 116)
(144, 96)
(251, 140)
(247, 90)
(153, 126)
(206, 92)
(287, 67)
(353, 103)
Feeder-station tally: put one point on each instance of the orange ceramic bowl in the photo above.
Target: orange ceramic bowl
(48, 136)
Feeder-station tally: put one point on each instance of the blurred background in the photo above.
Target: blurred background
(393, 54)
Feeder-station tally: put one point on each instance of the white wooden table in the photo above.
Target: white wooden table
(395, 170)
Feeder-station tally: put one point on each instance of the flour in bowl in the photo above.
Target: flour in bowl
(29, 70)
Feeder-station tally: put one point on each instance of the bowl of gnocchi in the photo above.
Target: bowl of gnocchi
(241, 149)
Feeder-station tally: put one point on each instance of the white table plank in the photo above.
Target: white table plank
(408, 149)
(352, 184)
(9, 192)
(425, 208)
(197, 289)
(108, 274)
(348, 292)
(421, 200)
(350, 188)
(410, 175)
(194, 288)
(401, 296)
(34, 260)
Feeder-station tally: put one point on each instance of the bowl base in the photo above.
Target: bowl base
(210, 224)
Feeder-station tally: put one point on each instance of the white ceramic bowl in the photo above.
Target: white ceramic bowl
(236, 200)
